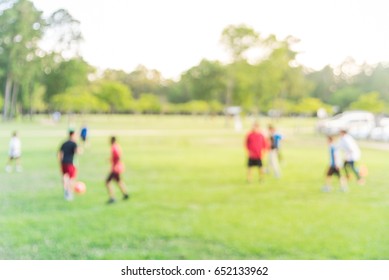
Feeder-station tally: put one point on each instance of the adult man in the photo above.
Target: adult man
(352, 154)
(69, 171)
(117, 168)
(255, 145)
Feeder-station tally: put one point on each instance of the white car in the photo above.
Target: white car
(359, 124)
(380, 133)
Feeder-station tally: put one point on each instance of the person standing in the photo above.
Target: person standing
(69, 172)
(334, 168)
(255, 146)
(117, 168)
(84, 134)
(274, 153)
(15, 152)
(352, 154)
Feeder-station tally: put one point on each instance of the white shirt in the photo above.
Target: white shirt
(15, 147)
(350, 148)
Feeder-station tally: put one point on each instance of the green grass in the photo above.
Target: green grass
(189, 197)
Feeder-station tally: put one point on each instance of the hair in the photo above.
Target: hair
(15, 133)
(71, 133)
(113, 139)
(270, 126)
(330, 138)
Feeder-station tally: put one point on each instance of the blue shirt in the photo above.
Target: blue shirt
(84, 132)
(275, 140)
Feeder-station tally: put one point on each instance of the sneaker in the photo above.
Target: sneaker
(8, 169)
(68, 195)
(326, 189)
(126, 196)
(111, 200)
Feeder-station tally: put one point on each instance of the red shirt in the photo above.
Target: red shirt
(255, 144)
(115, 155)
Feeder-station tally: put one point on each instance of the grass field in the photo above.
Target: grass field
(189, 198)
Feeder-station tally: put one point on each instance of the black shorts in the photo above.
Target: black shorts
(254, 162)
(333, 171)
(113, 176)
(83, 138)
(14, 157)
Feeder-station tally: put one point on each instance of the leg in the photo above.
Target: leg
(8, 167)
(274, 163)
(261, 173)
(343, 184)
(110, 190)
(18, 165)
(67, 185)
(249, 174)
(327, 186)
(355, 170)
(122, 188)
(345, 167)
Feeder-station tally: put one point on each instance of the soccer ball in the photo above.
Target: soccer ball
(363, 171)
(80, 188)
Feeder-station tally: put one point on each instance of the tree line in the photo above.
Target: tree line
(261, 76)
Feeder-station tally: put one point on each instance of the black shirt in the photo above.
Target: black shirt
(68, 149)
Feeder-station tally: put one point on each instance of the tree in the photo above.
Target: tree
(205, 81)
(67, 74)
(324, 82)
(115, 94)
(64, 33)
(78, 100)
(21, 28)
(374, 79)
(345, 96)
(143, 80)
(148, 103)
(369, 102)
(238, 40)
(310, 106)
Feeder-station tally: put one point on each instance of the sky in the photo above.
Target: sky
(175, 35)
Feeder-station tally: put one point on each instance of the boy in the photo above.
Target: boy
(352, 154)
(255, 146)
(116, 169)
(274, 154)
(69, 171)
(15, 152)
(334, 169)
(84, 134)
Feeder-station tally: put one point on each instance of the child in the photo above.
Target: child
(15, 152)
(116, 170)
(255, 146)
(274, 154)
(335, 166)
(84, 134)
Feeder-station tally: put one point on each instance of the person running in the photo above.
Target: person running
(274, 153)
(352, 154)
(15, 152)
(255, 145)
(69, 172)
(117, 168)
(334, 168)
